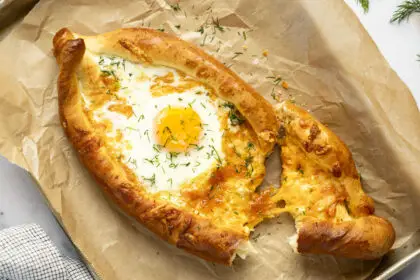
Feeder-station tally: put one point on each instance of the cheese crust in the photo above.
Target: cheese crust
(322, 190)
(181, 226)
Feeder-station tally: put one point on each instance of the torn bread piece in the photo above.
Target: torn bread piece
(321, 188)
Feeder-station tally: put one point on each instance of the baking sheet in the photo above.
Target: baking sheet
(11, 11)
(318, 46)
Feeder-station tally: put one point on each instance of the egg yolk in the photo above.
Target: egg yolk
(177, 129)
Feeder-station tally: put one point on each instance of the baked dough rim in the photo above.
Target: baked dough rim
(190, 232)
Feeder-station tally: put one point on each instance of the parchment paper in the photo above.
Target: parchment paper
(318, 46)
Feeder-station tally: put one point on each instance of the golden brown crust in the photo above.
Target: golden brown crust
(187, 231)
(333, 214)
(155, 47)
(368, 237)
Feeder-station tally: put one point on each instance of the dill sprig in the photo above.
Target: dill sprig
(236, 54)
(216, 24)
(176, 7)
(235, 118)
(405, 10)
(151, 180)
(364, 4)
(216, 154)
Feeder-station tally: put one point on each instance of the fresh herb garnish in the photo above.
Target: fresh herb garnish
(176, 7)
(229, 105)
(117, 63)
(198, 148)
(235, 118)
(364, 4)
(228, 65)
(153, 161)
(237, 54)
(216, 24)
(234, 115)
(248, 165)
(204, 40)
(173, 165)
(157, 147)
(152, 179)
(276, 81)
(172, 155)
(141, 117)
(236, 151)
(146, 132)
(216, 154)
(133, 161)
(107, 73)
(132, 128)
(191, 103)
(405, 10)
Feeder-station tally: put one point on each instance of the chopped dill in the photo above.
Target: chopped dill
(216, 24)
(152, 179)
(176, 7)
(237, 54)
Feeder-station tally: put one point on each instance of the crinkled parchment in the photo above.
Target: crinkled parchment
(318, 46)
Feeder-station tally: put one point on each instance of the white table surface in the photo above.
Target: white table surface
(21, 202)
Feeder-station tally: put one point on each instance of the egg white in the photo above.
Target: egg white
(154, 166)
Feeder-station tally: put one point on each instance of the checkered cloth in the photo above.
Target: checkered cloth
(27, 253)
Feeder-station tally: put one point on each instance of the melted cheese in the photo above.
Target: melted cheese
(307, 189)
(216, 178)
